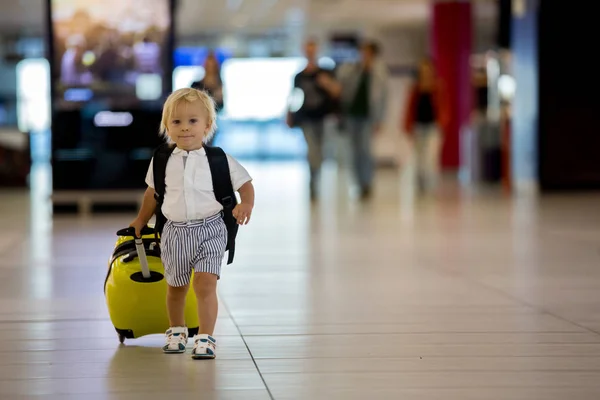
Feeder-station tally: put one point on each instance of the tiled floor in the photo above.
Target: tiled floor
(470, 296)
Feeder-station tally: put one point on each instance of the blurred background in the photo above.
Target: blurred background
(83, 83)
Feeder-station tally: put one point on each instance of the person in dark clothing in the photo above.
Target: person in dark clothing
(361, 88)
(425, 119)
(317, 104)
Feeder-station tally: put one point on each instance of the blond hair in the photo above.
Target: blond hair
(189, 95)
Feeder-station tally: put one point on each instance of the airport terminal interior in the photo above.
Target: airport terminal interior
(484, 286)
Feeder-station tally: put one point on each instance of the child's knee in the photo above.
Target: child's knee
(177, 291)
(205, 284)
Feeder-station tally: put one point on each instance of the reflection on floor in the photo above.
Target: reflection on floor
(463, 296)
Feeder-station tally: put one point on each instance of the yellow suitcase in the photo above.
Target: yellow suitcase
(135, 288)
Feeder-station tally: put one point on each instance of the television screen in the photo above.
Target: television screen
(111, 69)
(116, 52)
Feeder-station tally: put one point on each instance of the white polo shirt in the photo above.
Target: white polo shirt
(189, 191)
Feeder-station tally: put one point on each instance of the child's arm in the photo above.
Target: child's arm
(247, 193)
(146, 211)
(243, 211)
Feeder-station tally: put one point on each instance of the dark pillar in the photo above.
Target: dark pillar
(556, 112)
(569, 96)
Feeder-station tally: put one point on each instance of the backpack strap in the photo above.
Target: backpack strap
(159, 171)
(224, 193)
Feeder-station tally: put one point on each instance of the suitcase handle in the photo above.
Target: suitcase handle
(130, 231)
(139, 246)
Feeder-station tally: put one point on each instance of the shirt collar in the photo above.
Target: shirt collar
(199, 152)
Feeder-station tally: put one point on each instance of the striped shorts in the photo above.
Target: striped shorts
(197, 245)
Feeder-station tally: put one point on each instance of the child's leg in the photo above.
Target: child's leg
(207, 272)
(176, 254)
(176, 304)
(205, 287)
(176, 258)
(177, 334)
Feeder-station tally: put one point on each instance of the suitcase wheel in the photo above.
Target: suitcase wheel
(121, 338)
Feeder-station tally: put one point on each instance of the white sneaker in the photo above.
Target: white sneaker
(205, 346)
(176, 339)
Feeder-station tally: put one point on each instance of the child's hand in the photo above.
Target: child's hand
(242, 213)
(138, 225)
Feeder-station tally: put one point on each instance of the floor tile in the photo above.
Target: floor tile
(470, 295)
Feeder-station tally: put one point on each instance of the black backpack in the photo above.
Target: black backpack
(224, 193)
